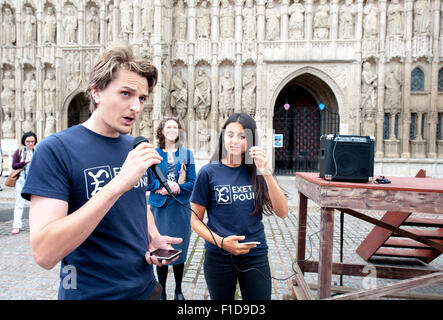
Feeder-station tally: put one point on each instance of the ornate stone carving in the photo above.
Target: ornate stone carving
(29, 95)
(422, 17)
(393, 90)
(248, 94)
(50, 87)
(272, 15)
(370, 20)
(226, 95)
(8, 97)
(227, 20)
(203, 20)
(148, 16)
(321, 21)
(395, 19)
(92, 26)
(249, 20)
(296, 21)
(202, 95)
(126, 18)
(8, 27)
(146, 125)
(180, 21)
(29, 27)
(179, 95)
(368, 104)
(49, 26)
(110, 22)
(348, 11)
(204, 136)
(70, 25)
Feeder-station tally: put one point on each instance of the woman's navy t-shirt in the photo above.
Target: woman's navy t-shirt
(227, 194)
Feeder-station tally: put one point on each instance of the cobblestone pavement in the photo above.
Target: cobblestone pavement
(21, 278)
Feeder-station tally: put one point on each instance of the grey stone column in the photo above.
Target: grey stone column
(433, 117)
(381, 80)
(406, 114)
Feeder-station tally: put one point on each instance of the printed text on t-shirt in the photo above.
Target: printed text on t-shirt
(226, 194)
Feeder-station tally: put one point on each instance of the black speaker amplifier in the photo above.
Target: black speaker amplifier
(346, 158)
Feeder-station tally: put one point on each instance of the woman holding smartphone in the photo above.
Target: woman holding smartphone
(236, 189)
(170, 217)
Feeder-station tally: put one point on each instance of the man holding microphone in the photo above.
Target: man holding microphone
(87, 188)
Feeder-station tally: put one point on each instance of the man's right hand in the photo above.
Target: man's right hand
(136, 164)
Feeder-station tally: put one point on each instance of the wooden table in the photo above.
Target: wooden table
(423, 195)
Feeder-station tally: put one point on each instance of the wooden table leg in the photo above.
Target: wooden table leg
(301, 233)
(325, 257)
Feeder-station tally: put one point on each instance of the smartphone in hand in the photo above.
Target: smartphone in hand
(165, 254)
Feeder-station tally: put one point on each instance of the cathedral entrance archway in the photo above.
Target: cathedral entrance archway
(305, 109)
(78, 110)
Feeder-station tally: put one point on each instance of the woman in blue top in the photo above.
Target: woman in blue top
(236, 189)
(170, 217)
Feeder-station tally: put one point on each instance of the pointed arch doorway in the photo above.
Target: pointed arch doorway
(78, 110)
(301, 123)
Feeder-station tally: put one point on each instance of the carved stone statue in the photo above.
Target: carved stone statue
(202, 95)
(70, 25)
(49, 86)
(180, 21)
(49, 26)
(368, 90)
(148, 16)
(248, 94)
(226, 95)
(146, 125)
(272, 16)
(126, 16)
(203, 138)
(227, 20)
(249, 20)
(321, 21)
(370, 20)
(29, 27)
(8, 127)
(179, 95)
(395, 19)
(49, 125)
(296, 21)
(8, 94)
(29, 95)
(393, 91)
(28, 123)
(8, 27)
(92, 26)
(110, 22)
(347, 15)
(422, 17)
(203, 20)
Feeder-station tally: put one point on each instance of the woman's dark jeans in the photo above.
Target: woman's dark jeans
(223, 271)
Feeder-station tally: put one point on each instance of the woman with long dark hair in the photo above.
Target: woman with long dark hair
(170, 217)
(21, 159)
(236, 189)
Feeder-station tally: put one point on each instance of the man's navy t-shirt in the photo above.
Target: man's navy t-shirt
(227, 194)
(73, 165)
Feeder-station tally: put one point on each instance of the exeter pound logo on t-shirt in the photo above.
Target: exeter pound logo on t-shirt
(96, 178)
(226, 194)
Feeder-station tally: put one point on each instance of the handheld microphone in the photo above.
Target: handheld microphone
(156, 169)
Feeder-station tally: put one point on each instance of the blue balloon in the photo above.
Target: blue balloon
(321, 106)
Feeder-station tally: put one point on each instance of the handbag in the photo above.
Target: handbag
(15, 173)
(182, 174)
(12, 178)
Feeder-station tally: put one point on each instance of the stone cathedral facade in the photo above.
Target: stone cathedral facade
(301, 68)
